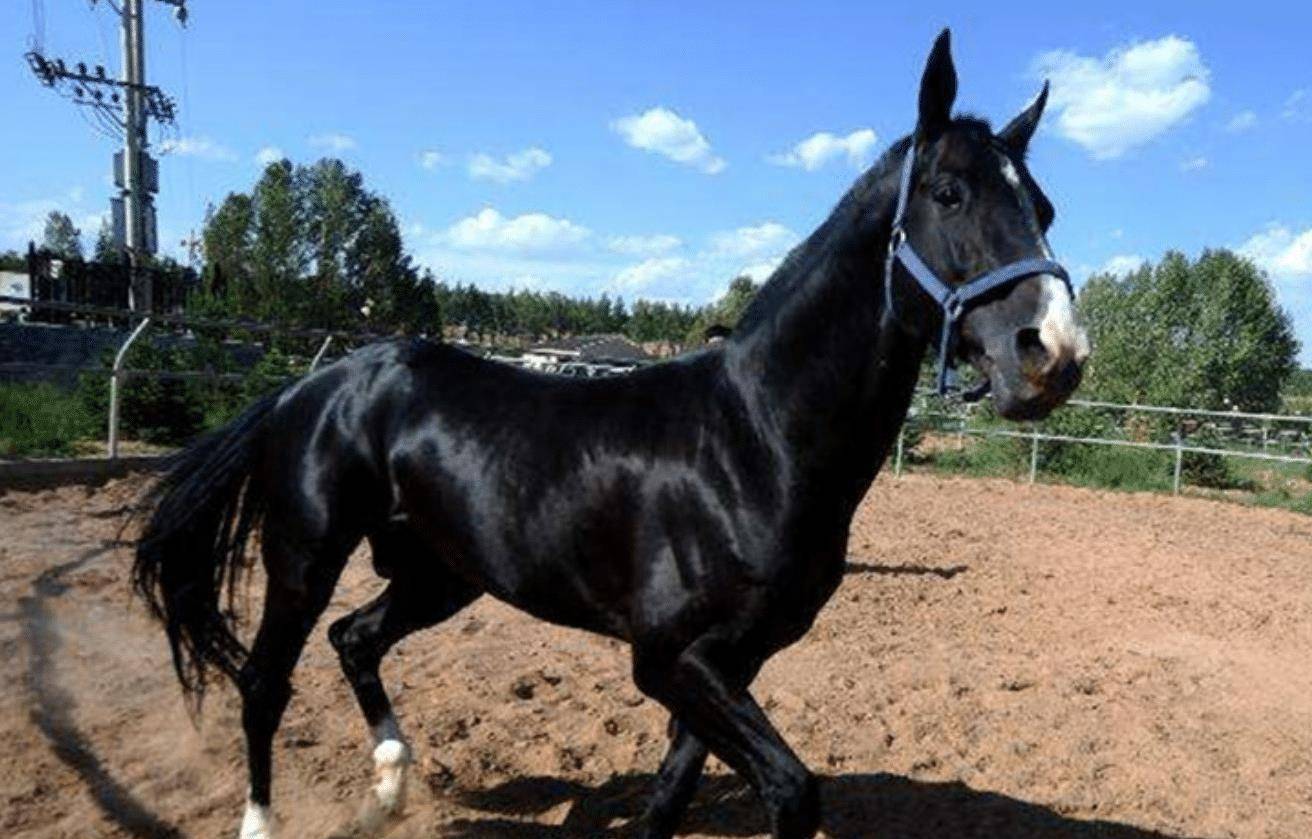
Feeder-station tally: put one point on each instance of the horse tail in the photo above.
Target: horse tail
(193, 547)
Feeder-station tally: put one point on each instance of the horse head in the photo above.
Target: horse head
(970, 230)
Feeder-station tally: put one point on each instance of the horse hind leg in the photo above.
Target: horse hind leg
(299, 586)
(415, 600)
(676, 783)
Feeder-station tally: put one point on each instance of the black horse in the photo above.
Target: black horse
(697, 509)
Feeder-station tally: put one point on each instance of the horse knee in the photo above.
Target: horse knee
(354, 653)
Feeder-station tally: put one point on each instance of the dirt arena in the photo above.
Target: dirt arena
(1001, 661)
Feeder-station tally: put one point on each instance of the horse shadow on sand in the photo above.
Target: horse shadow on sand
(856, 806)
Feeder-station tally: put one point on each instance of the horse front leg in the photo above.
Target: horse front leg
(699, 688)
(676, 783)
(410, 603)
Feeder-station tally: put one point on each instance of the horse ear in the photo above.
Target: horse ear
(1018, 132)
(938, 90)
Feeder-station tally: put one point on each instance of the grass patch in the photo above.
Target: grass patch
(41, 420)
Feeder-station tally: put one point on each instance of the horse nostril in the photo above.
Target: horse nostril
(1030, 347)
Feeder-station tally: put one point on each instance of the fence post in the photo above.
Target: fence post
(1034, 451)
(115, 378)
(1179, 461)
(897, 461)
(319, 355)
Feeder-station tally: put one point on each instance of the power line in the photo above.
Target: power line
(135, 171)
(38, 37)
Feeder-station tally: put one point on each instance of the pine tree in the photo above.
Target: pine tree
(61, 237)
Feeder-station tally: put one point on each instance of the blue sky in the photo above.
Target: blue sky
(656, 149)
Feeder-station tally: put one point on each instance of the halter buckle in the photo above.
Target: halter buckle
(953, 307)
(895, 239)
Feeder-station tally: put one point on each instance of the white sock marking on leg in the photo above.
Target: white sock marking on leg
(390, 760)
(255, 823)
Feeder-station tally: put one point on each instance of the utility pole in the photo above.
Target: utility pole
(136, 173)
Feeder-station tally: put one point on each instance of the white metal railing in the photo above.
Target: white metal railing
(115, 378)
(1178, 445)
(1194, 412)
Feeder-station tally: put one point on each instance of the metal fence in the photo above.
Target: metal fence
(118, 374)
(1275, 438)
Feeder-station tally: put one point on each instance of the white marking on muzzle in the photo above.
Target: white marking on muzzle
(1061, 335)
(255, 823)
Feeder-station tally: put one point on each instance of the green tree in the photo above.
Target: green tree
(1206, 333)
(279, 254)
(61, 237)
(725, 311)
(106, 251)
(227, 243)
(312, 246)
(1297, 395)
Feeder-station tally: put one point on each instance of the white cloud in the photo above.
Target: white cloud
(335, 142)
(822, 147)
(491, 231)
(761, 271)
(653, 245)
(25, 221)
(664, 132)
(519, 166)
(763, 239)
(202, 148)
(1129, 96)
(497, 251)
(1283, 253)
(1241, 122)
(1122, 264)
(1298, 107)
(432, 159)
(650, 271)
(89, 223)
(1194, 164)
(269, 154)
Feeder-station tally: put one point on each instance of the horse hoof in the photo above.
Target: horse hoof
(255, 823)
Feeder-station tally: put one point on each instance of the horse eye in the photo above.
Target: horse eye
(948, 195)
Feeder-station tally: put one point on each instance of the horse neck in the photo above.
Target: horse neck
(816, 357)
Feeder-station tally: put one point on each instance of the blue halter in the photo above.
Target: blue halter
(955, 301)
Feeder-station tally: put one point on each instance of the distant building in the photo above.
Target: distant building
(716, 333)
(14, 284)
(586, 356)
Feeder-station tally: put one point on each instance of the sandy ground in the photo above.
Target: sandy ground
(1001, 661)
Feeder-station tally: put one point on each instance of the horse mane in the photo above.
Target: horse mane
(862, 198)
(799, 266)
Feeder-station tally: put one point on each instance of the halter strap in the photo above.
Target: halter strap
(954, 301)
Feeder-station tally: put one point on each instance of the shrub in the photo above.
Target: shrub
(41, 420)
(983, 457)
(1116, 467)
(153, 409)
